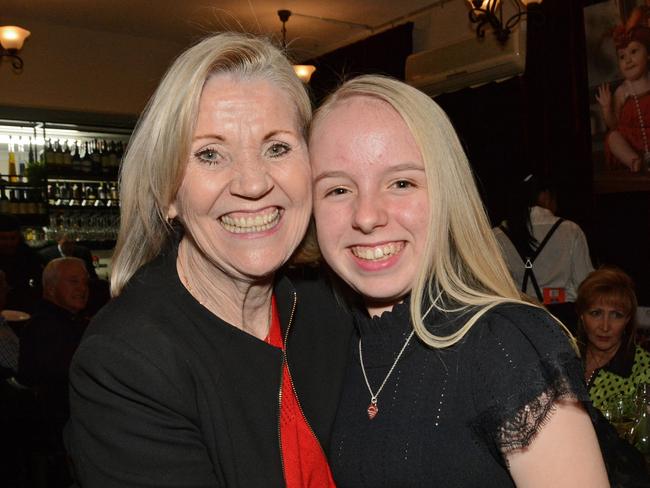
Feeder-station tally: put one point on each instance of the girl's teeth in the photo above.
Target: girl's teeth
(376, 253)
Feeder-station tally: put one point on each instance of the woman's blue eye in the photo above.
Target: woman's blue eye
(278, 149)
(207, 155)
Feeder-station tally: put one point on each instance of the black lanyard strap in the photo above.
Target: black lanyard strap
(530, 260)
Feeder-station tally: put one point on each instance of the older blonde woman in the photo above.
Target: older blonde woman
(453, 380)
(209, 368)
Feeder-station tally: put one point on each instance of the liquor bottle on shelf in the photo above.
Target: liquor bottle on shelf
(90, 194)
(13, 176)
(58, 158)
(14, 201)
(97, 159)
(67, 159)
(48, 157)
(105, 158)
(76, 159)
(76, 197)
(31, 156)
(101, 192)
(66, 194)
(4, 200)
(32, 201)
(112, 157)
(113, 195)
(87, 160)
(41, 203)
(22, 161)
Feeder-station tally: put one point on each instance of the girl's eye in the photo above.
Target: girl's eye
(594, 313)
(278, 149)
(403, 184)
(207, 155)
(335, 192)
(619, 315)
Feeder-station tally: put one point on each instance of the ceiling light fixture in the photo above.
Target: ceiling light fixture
(11, 39)
(303, 71)
(485, 13)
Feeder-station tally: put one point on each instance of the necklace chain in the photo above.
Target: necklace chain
(372, 408)
(644, 135)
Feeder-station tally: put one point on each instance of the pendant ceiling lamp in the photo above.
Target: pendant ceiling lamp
(303, 71)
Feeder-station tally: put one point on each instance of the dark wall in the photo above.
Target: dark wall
(384, 53)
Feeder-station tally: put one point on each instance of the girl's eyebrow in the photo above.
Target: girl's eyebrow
(407, 166)
(330, 174)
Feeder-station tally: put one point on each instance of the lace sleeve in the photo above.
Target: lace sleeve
(523, 366)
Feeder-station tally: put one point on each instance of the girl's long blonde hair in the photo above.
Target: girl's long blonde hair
(462, 261)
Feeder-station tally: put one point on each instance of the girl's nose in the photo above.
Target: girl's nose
(369, 214)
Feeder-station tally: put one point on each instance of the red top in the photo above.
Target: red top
(305, 465)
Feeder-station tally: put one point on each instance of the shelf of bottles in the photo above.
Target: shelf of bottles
(61, 178)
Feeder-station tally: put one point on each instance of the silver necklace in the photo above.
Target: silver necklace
(372, 408)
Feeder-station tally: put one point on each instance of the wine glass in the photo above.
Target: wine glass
(621, 411)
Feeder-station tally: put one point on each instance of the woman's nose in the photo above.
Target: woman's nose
(369, 213)
(605, 324)
(252, 181)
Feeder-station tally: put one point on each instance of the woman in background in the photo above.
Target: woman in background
(453, 380)
(208, 368)
(614, 364)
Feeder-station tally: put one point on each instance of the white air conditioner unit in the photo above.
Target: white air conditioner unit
(467, 63)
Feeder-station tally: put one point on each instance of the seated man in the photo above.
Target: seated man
(66, 247)
(49, 341)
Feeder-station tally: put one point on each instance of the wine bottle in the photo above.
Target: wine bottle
(66, 158)
(41, 204)
(112, 157)
(32, 153)
(58, 157)
(22, 161)
(97, 159)
(4, 200)
(106, 159)
(87, 160)
(76, 159)
(31, 205)
(13, 177)
(48, 155)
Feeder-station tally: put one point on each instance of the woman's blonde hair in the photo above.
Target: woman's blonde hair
(153, 166)
(462, 262)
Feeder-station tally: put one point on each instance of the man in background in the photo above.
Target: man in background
(47, 345)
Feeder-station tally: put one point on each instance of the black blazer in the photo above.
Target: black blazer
(165, 394)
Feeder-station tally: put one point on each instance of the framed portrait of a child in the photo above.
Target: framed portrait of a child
(618, 57)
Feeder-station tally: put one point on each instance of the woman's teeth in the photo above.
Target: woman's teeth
(259, 223)
(378, 252)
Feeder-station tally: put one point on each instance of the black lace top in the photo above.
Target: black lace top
(447, 417)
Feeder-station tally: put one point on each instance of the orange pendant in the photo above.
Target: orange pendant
(372, 411)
